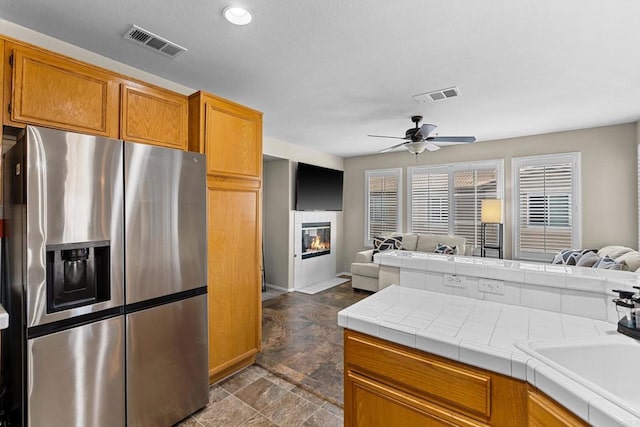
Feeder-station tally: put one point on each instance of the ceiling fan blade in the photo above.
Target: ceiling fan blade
(429, 146)
(393, 147)
(452, 139)
(425, 130)
(384, 136)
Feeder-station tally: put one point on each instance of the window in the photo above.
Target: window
(429, 198)
(546, 205)
(383, 195)
(446, 199)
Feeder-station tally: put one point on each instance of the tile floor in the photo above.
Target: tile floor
(255, 397)
(302, 342)
(297, 379)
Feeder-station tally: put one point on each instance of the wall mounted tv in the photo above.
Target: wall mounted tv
(318, 188)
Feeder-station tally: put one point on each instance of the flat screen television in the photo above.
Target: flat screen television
(318, 188)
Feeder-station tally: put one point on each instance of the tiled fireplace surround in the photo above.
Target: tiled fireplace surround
(564, 289)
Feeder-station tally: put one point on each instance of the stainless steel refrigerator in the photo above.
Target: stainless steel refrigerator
(105, 282)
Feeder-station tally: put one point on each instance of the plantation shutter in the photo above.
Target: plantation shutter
(430, 202)
(545, 218)
(383, 204)
(470, 187)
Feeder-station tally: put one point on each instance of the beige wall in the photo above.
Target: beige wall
(609, 181)
(276, 189)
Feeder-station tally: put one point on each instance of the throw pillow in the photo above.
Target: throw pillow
(445, 249)
(608, 263)
(570, 256)
(386, 243)
(588, 260)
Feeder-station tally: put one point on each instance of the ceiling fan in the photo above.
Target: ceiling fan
(417, 139)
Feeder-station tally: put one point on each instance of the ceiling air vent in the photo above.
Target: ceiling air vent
(153, 42)
(437, 95)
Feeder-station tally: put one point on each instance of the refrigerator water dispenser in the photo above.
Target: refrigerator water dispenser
(77, 275)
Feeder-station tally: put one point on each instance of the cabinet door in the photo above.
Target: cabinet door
(233, 140)
(153, 116)
(233, 278)
(544, 412)
(53, 91)
(373, 404)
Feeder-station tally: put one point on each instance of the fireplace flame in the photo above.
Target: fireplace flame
(317, 244)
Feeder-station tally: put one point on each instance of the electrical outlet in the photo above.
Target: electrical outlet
(491, 286)
(455, 281)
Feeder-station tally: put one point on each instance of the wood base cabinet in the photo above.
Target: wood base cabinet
(230, 136)
(545, 412)
(387, 384)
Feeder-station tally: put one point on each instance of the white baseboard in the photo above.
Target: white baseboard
(344, 273)
(279, 288)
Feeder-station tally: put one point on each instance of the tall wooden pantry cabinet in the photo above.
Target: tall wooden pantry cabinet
(230, 135)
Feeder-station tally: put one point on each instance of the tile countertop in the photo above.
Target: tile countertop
(482, 334)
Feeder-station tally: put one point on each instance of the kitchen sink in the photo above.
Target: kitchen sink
(606, 365)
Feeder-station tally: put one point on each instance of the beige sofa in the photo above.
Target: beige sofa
(369, 276)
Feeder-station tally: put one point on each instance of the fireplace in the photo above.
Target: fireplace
(316, 239)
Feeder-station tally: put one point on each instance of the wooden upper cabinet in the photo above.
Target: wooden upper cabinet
(57, 92)
(229, 133)
(153, 116)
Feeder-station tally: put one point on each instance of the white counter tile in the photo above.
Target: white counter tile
(506, 274)
(441, 266)
(399, 334)
(543, 299)
(435, 283)
(390, 317)
(466, 266)
(584, 304)
(544, 278)
(584, 282)
(414, 279)
(493, 359)
(416, 263)
(443, 329)
(440, 345)
(603, 413)
(362, 324)
(416, 322)
(519, 365)
(563, 390)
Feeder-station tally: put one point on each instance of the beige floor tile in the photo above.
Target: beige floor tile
(239, 380)
(261, 421)
(323, 418)
(289, 410)
(228, 412)
(335, 410)
(260, 394)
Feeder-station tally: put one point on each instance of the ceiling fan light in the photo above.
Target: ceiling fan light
(416, 147)
(237, 15)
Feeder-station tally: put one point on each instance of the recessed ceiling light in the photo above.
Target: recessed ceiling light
(237, 15)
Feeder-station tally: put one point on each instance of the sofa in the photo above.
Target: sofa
(369, 276)
(620, 257)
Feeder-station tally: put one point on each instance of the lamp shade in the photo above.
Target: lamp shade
(491, 211)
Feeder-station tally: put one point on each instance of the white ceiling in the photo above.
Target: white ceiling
(328, 72)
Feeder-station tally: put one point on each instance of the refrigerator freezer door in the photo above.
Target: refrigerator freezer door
(76, 377)
(74, 194)
(167, 362)
(165, 221)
